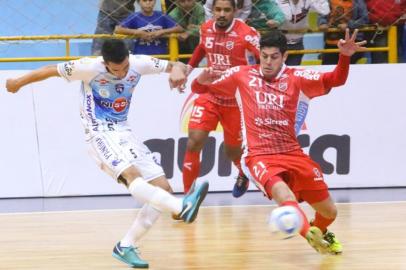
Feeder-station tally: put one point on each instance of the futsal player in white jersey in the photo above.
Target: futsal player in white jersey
(107, 86)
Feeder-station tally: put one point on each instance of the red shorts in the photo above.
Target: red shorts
(303, 176)
(206, 115)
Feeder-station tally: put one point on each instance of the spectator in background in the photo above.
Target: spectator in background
(190, 15)
(265, 14)
(111, 13)
(149, 26)
(243, 9)
(343, 14)
(385, 13)
(296, 19)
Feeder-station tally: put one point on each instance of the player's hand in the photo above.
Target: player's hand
(12, 85)
(209, 75)
(323, 27)
(178, 77)
(342, 26)
(348, 46)
(183, 36)
(272, 23)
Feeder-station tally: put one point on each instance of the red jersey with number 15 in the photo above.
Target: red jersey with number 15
(237, 45)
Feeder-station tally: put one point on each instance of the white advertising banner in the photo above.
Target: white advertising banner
(355, 133)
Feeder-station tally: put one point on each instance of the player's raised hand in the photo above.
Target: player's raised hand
(12, 85)
(348, 46)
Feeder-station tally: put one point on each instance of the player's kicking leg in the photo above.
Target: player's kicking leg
(156, 200)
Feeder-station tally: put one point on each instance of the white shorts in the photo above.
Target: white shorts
(115, 151)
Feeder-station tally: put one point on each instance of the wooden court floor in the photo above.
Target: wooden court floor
(234, 237)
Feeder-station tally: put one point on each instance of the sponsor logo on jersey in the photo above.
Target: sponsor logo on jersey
(118, 105)
(269, 101)
(156, 61)
(119, 88)
(131, 78)
(103, 81)
(104, 93)
(308, 74)
(283, 86)
(103, 148)
(89, 112)
(219, 59)
(254, 40)
(269, 122)
(229, 45)
(317, 173)
(116, 162)
(68, 67)
(233, 34)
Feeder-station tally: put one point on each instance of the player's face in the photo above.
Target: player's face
(186, 5)
(271, 61)
(119, 70)
(147, 6)
(223, 13)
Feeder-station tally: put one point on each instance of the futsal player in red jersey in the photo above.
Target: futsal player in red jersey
(267, 96)
(225, 42)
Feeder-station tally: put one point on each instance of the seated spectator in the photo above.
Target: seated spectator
(243, 9)
(343, 13)
(111, 13)
(265, 14)
(190, 15)
(149, 26)
(296, 19)
(384, 13)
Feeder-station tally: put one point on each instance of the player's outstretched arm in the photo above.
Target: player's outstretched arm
(13, 85)
(348, 46)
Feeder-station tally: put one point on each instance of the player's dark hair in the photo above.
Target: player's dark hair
(114, 50)
(274, 38)
(232, 2)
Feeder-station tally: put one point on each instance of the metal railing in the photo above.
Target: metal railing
(174, 46)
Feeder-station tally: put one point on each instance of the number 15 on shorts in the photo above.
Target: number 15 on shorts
(197, 111)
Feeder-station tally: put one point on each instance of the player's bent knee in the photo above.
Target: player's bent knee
(129, 175)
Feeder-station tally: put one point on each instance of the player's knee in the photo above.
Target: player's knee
(329, 211)
(129, 175)
(332, 211)
(233, 153)
(195, 144)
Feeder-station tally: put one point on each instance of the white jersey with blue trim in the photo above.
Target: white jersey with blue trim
(105, 98)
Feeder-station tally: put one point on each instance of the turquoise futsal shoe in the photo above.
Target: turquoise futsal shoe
(129, 255)
(192, 201)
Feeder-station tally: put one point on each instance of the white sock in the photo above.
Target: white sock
(146, 217)
(155, 196)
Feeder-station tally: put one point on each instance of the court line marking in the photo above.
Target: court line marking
(203, 207)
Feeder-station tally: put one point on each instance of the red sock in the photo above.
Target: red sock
(191, 169)
(322, 222)
(306, 225)
(237, 163)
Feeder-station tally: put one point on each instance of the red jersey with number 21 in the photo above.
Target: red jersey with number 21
(268, 108)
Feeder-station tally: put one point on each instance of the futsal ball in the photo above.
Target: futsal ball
(285, 222)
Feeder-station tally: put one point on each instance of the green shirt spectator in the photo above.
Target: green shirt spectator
(190, 15)
(265, 14)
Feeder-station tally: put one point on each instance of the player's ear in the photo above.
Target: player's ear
(285, 56)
